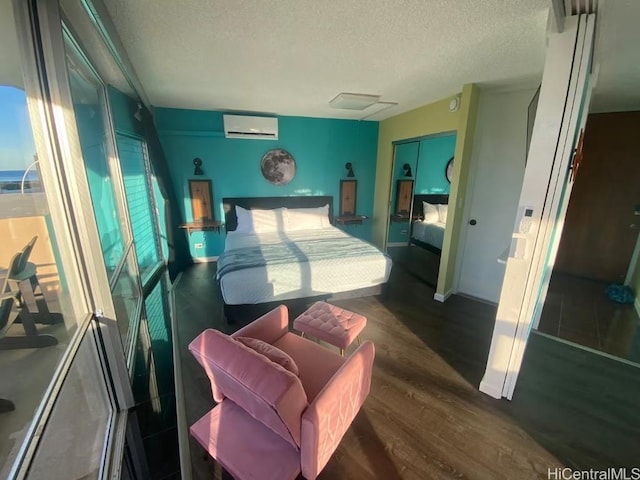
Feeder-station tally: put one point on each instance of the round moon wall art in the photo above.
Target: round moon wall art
(278, 166)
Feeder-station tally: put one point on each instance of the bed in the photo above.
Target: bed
(428, 230)
(285, 248)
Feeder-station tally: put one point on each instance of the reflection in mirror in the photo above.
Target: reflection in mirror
(419, 200)
(88, 103)
(592, 297)
(398, 233)
(143, 194)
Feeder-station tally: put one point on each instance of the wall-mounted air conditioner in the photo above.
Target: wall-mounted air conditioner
(258, 128)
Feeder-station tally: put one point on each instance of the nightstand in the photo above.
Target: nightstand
(403, 217)
(202, 226)
(350, 219)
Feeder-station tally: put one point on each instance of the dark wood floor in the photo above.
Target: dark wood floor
(425, 417)
(417, 261)
(578, 310)
(581, 405)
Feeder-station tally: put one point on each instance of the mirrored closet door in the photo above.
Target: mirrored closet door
(421, 181)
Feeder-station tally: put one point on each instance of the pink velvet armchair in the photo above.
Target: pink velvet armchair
(273, 421)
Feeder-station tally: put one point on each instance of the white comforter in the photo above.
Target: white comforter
(300, 279)
(429, 233)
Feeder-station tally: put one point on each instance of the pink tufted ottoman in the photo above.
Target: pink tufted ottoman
(332, 324)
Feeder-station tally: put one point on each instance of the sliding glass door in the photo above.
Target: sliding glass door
(40, 323)
(67, 395)
(83, 283)
(562, 108)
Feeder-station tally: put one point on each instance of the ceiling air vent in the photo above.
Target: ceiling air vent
(353, 101)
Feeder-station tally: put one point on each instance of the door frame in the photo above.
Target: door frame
(564, 86)
(394, 144)
(545, 253)
(487, 97)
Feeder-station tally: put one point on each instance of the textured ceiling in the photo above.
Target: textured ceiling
(10, 66)
(292, 57)
(618, 54)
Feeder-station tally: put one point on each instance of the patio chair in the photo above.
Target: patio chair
(32, 339)
(23, 276)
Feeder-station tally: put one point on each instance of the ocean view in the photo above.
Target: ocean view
(10, 181)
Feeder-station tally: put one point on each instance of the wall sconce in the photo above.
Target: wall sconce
(138, 114)
(197, 163)
(349, 167)
(407, 170)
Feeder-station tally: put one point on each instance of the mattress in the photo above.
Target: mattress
(324, 273)
(429, 233)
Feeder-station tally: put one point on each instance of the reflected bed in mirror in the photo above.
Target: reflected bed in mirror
(421, 256)
(430, 220)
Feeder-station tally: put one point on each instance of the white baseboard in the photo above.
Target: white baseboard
(636, 304)
(438, 297)
(477, 299)
(398, 244)
(490, 389)
(205, 259)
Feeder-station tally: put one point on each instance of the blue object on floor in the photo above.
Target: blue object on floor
(620, 293)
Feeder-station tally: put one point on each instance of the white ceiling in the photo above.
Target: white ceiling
(291, 57)
(618, 55)
(10, 67)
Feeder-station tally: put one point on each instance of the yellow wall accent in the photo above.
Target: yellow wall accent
(464, 147)
(426, 120)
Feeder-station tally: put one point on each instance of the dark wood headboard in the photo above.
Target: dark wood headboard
(433, 199)
(268, 203)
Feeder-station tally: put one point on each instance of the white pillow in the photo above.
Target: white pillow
(430, 213)
(245, 223)
(260, 221)
(307, 218)
(442, 212)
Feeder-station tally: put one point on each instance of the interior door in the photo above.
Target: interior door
(497, 172)
(600, 229)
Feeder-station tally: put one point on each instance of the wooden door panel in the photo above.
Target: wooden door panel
(348, 195)
(598, 240)
(404, 196)
(200, 191)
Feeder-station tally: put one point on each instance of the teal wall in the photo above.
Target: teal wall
(435, 152)
(91, 132)
(319, 146)
(129, 139)
(123, 109)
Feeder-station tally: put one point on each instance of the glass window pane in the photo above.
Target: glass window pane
(74, 438)
(132, 155)
(161, 216)
(86, 92)
(37, 317)
(154, 357)
(126, 300)
(153, 382)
